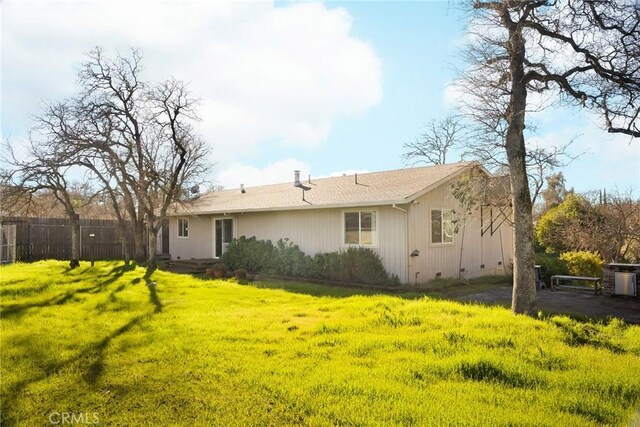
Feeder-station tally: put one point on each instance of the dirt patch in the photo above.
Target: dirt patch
(571, 302)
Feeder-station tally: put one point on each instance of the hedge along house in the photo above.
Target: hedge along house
(410, 217)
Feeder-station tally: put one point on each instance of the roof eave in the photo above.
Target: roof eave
(445, 179)
(293, 208)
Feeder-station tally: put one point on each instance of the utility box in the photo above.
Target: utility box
(621, 279)
(625, 284)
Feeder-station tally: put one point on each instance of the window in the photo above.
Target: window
(441, 226)
(360, 228)
(183, 227)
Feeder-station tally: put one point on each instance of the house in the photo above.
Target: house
(408, 216)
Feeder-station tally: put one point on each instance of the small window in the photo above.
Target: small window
(441, 226)
(360, 228)
(183, 227)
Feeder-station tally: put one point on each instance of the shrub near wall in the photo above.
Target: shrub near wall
(583, 263)
(356, 265)
(250, 254)
(288, 260)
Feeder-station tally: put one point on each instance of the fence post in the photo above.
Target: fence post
(28, 240)
(92, 237)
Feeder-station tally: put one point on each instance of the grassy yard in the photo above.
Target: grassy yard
(206, 352)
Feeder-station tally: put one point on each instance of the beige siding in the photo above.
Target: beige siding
(319, 231)
(199, 244)
(476, 251)
(315, 231)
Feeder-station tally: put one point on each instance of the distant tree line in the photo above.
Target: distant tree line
(606, 224)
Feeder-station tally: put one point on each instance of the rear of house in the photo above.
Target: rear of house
(410, 217)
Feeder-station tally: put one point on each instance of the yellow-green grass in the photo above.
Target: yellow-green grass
(207, 352)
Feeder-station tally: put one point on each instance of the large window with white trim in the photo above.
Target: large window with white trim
(361, 228)
(183, 228)
(441, 226)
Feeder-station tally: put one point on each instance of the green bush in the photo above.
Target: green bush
(357, 265)
(364, 265)
(583, 263)
(289, 260)
(328, 266)
(551, 227)
(550, 265)
(250, 254)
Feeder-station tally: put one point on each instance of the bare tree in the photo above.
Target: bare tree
(175, 154)
(581, 52)
(136, 138)
(44, 169)
(609, 226)
(620, 241)
(432, 146)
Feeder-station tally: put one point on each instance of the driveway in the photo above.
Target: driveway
(568, 302)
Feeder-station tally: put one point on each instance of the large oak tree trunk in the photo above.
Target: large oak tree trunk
(124, 239)
(75, 241)
(140, 254)
(153, 244)
(524, 290)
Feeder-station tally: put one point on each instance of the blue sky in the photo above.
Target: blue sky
(323, 87)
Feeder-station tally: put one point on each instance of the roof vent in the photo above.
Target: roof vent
(242, 190)
(296, 178)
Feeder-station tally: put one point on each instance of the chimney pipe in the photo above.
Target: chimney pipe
(296, 181)
(242, 190)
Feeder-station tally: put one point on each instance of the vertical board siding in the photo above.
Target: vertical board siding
(477, 250)
(314, 231)
(199, 244)
(399, 234)
(320, 231)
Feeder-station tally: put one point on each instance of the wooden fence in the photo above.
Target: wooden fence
(50, 238)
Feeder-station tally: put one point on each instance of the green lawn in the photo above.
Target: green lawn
(206, 352)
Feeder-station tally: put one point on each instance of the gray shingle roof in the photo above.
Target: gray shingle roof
(372, 189)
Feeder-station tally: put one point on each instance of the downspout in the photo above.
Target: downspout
(406, 237)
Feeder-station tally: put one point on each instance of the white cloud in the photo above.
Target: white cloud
(278, 172)
(452, 95)
(604, 160)
(263, 72)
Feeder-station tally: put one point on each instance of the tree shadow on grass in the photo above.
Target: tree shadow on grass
(116, 273)
(96, 369)
(92, 373)
(153, 293)
(64, 297)
(95, 353)
(20, 309)
(335, 291)
(153, 297)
